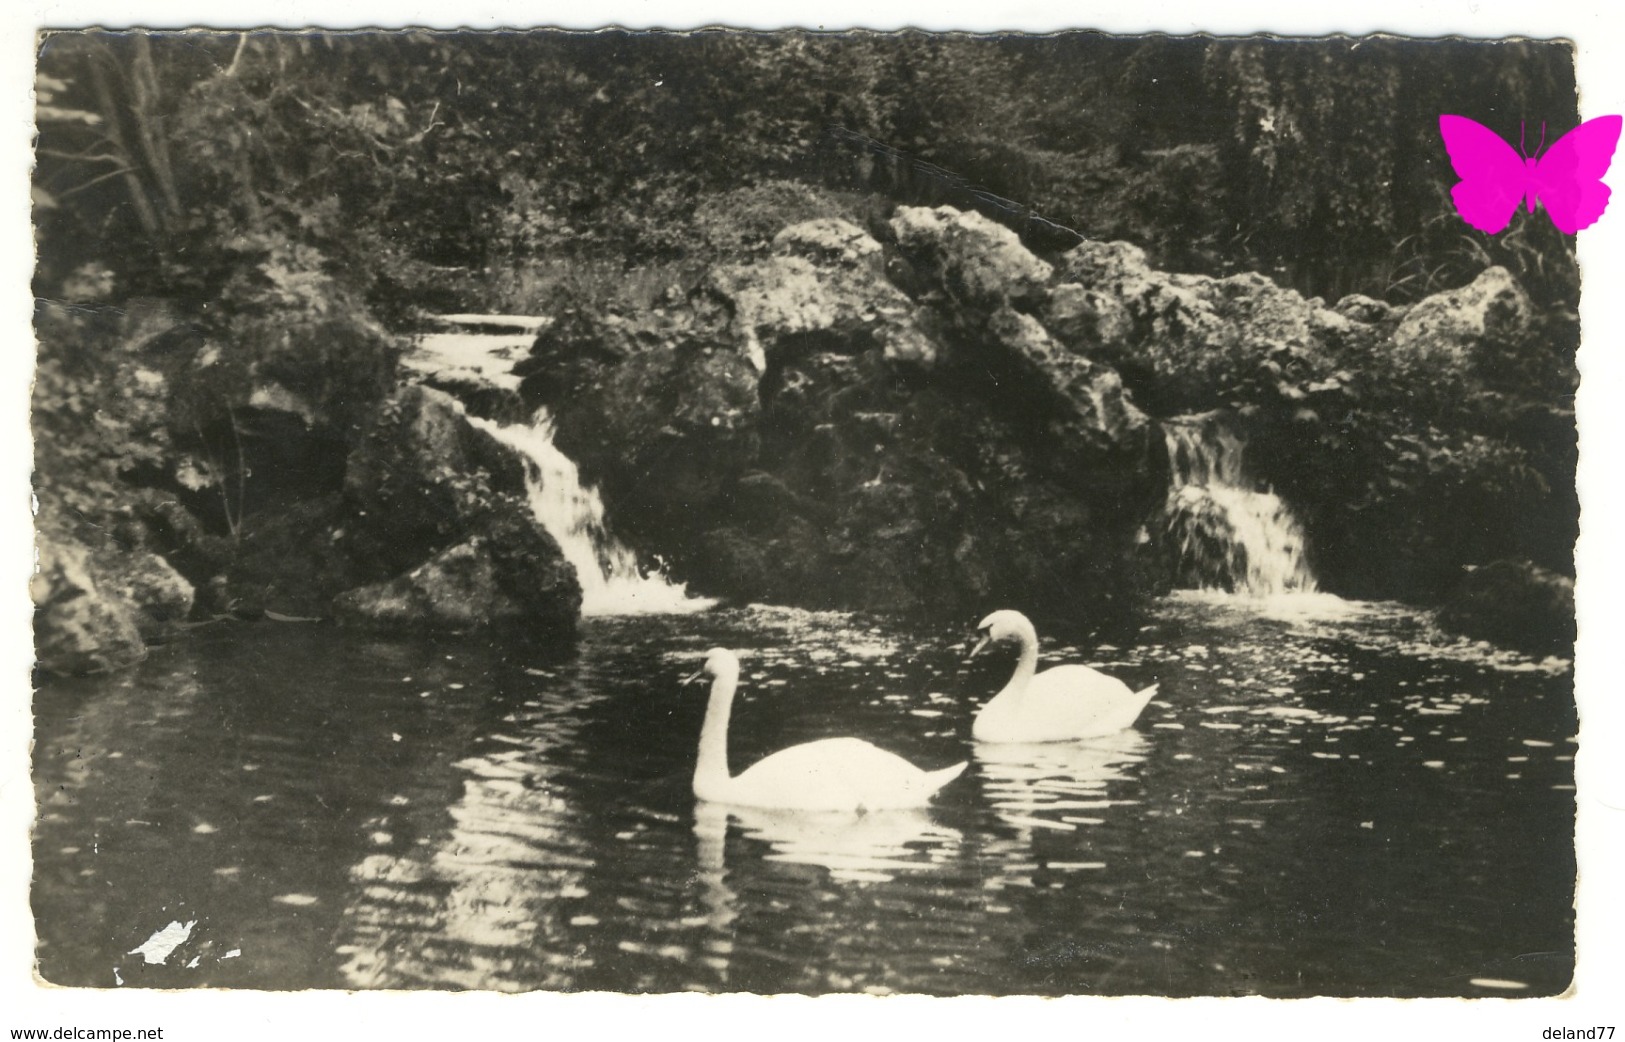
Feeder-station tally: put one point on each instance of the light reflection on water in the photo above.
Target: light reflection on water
(867, 847)
(1057, 785)
(1323, 799)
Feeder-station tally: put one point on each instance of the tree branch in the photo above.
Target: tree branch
(76, 189)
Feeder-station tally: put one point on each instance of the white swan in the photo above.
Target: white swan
(832, 774)
(1056, 705)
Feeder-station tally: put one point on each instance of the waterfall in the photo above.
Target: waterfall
(573, 514)
(1222, 530)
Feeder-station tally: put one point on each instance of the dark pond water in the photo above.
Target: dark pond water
(1336, 801)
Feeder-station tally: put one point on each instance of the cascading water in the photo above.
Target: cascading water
(573, 514)
(1222, 531)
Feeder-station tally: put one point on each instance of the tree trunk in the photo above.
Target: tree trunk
(149, 124)
(111, 115)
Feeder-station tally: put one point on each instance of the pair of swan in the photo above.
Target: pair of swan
(850, 774)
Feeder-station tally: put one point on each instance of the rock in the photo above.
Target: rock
(763, 503)
(1188, 342)
(1361, 308)
(273, 397)
(1086, 399)
(456, 590)
(582, 338)
(531, 569)
(786, 566)
(420, 473)
(690, 356)
(831, 242)
(979, 263)
(1342, 333)
(1084, 319)
(659, 411)
(328, 367)
(157, 522)
(293, 562)
(160, 599)
(908, 346)
(78, 627)
(740, 567)
(782, 297)
(98, 609)
(823, 290)
(1448, 329)
(1516, 604)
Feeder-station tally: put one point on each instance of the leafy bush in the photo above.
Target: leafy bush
(740, 222)
(99, 412)
(719, 226)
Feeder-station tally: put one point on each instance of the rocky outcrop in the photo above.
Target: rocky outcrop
(456, 589)
(160, 599)
(1450, 328)
(419, 472)
(94, 613)
(943, 420)
(976, 263)
(1186, 343)
(842, 425)
(927, 419)
(1088, 406)
(820, 289)
(421, 490)
(1358, 307)
(265, 461)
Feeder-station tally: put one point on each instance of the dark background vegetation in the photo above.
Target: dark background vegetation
(197, 161)
(296, 200)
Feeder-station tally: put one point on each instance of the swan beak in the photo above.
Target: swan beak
(980, 644)
(692, 677)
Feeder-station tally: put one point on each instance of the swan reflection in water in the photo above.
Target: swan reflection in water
(1057, 785)
(872, 861)
(870, 847)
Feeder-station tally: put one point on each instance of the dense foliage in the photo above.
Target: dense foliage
(176, 159)
(98, 414)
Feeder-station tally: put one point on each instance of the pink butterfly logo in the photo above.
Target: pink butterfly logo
(1567, 180)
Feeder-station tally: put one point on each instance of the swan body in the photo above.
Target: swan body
(845, 774)
(1056, 705)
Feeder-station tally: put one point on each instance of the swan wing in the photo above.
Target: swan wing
(1086, 702)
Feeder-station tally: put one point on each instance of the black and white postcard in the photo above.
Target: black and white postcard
(895, 509)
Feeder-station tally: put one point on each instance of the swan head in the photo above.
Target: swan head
(1001, 626)
(719, 662)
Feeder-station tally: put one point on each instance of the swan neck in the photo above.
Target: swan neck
(1027, 662)
(712, 765)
